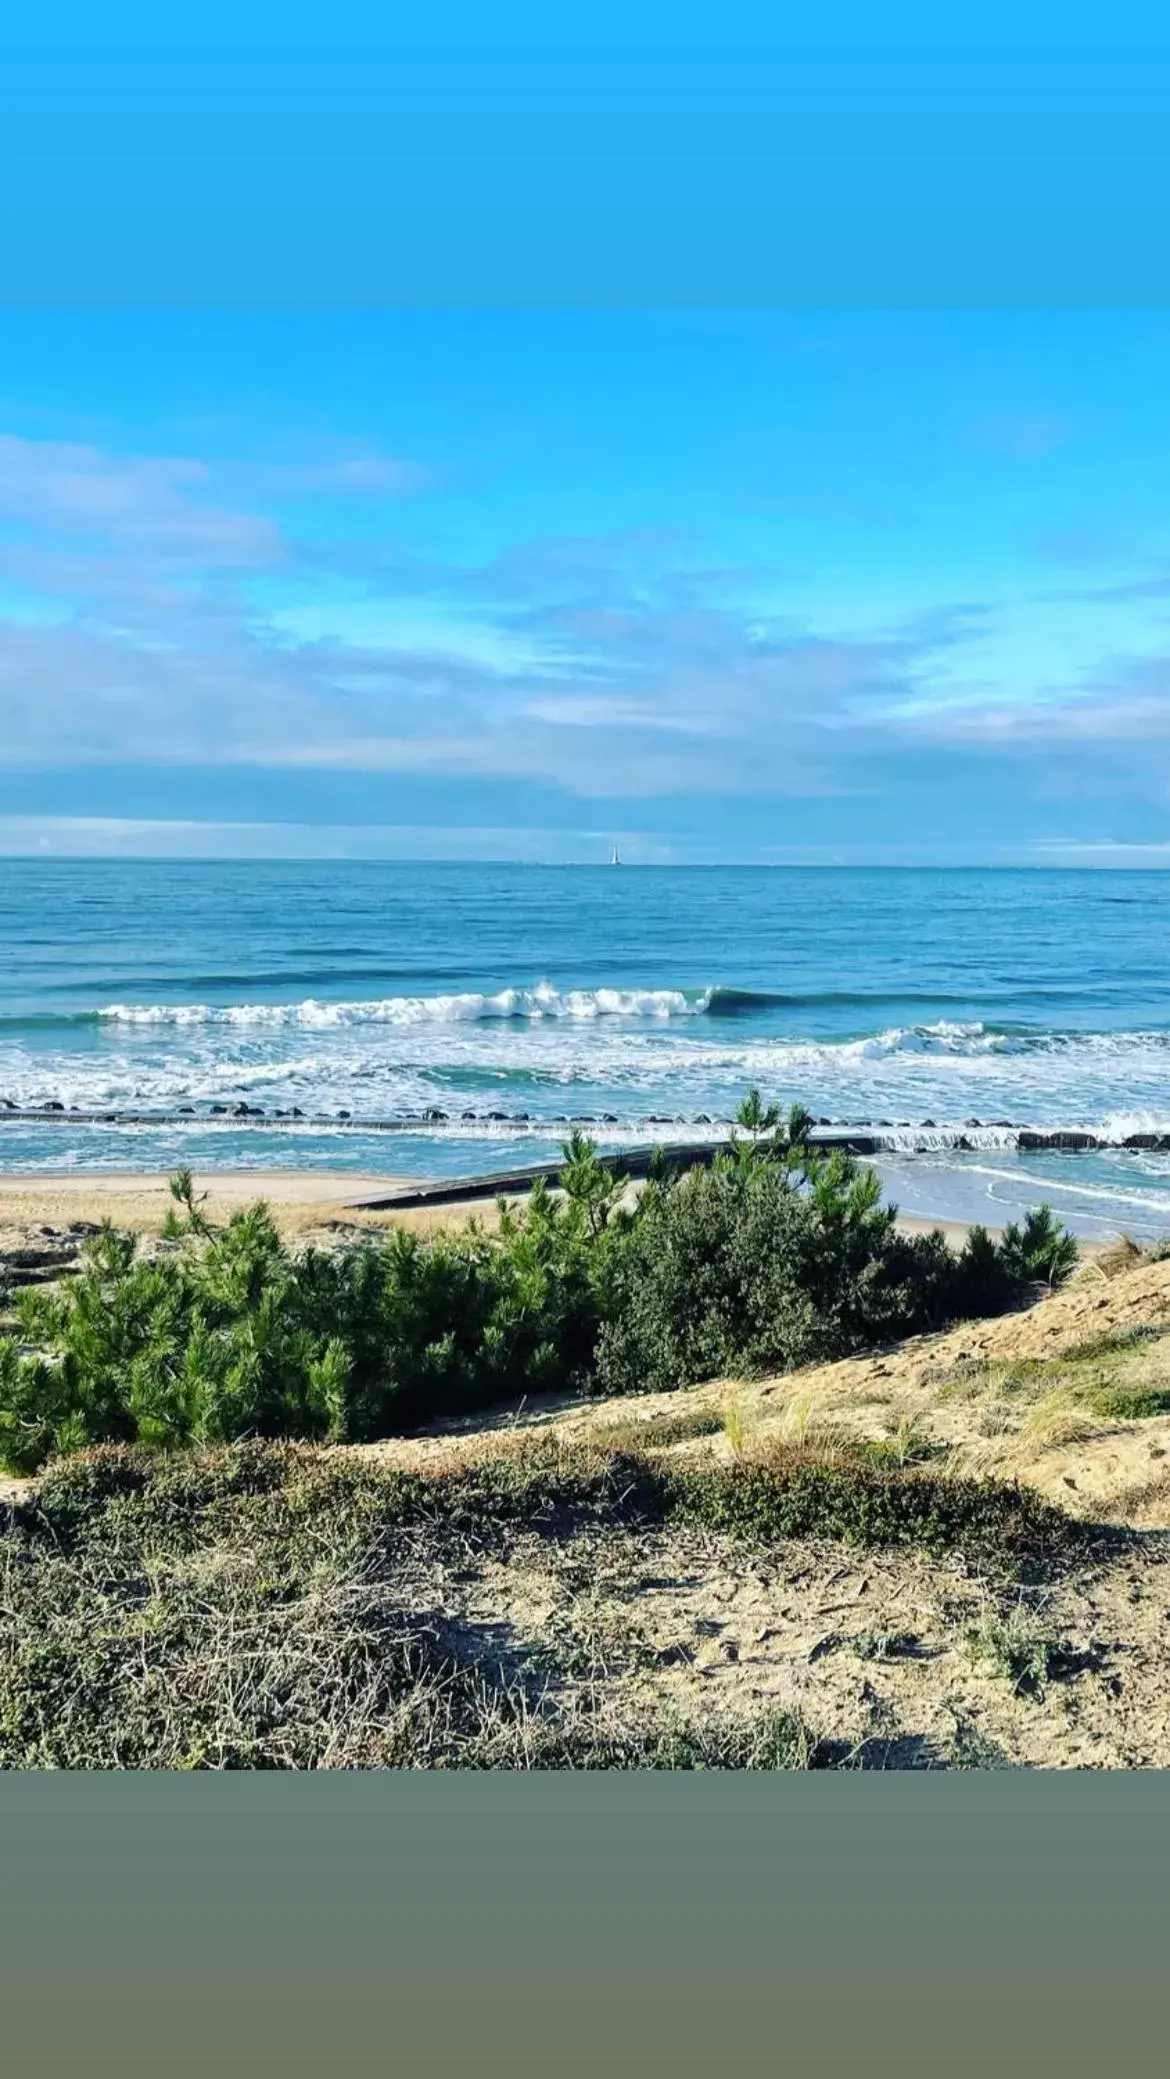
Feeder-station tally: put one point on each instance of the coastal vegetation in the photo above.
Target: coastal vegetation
(268, 1605)
(774, 1256)
(239, 1551)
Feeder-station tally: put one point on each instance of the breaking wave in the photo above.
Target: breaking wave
(470, 1007)
(574, 1006)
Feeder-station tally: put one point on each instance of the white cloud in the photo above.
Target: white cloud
(153, 504)
(607, 667)
(114, 837)
(1075, 851)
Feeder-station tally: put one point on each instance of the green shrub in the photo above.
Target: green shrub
(773, 1257)
(982, 1281)
(776, 1257)
(755, 1265)
(227, 1334)
(1041, 1251)
(989, 1276)
(718, 1276)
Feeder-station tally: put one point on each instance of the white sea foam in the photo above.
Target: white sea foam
(626, 1053)
(469, 1007)
(529, 1009)
(597, 1051)
(943, 1037)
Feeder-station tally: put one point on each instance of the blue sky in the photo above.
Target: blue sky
(773, 585)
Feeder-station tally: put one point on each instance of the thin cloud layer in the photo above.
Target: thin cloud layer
(630, 693)
(159, 506)
(296, 614)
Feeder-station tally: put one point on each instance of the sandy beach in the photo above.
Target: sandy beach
(303, 1201)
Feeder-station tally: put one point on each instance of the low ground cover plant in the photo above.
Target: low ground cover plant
(276, 1605)
(774, 1255)
(1023, 1654)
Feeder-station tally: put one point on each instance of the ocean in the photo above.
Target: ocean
(645, 1000)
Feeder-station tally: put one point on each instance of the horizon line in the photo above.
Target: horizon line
(1068, 865)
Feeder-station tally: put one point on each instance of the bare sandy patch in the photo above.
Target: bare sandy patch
(303, 1202)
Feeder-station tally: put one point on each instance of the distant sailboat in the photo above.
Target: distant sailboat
(615, 861)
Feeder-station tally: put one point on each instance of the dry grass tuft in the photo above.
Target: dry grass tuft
(797, 1416)
(737, 1424)
(1058, 1417)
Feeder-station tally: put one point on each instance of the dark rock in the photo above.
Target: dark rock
(1155, 1141)
(29, 1259)
(1066, 1141)
(345, 1115)
(974, 1122)
(520, 1118)
(609, 1118)
(434, 1117)
(296, 1112)
(496, 1116)
(186, 1111)
(218, 1109)
(928, 1122)
(467, 1115)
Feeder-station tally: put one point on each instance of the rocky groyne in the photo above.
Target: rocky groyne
(859, 1136)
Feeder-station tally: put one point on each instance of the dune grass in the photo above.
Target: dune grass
(1040, 1402)
(270, 1605)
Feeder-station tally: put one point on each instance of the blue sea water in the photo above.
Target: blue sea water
(655, 996)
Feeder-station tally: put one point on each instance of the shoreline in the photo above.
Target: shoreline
(863, 1137)
(302, 1201)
